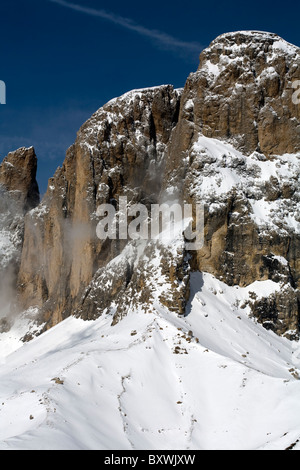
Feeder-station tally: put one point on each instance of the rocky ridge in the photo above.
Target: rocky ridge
(231, 140)
(19, 194)
(118, 152)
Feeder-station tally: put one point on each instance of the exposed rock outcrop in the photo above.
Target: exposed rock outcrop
(230, 140)
(118, 152)
(242, 92)
(18, 177)
(18, 194)
(236, 149)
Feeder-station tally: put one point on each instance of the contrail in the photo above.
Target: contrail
(162, 38)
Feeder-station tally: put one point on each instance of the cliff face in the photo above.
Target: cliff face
(18, 193)
(231, 140)
(241, 93)
(243, 90)
(18, 177)
(235, 149)
(118, 152)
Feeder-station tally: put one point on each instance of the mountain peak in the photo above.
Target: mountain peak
(249, 47)
(248, 35)
(18, 175)
(254, 38)
(245, 92)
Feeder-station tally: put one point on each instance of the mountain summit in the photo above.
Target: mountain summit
(228, 141)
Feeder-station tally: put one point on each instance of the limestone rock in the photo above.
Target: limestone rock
(18, 194)
(119, 151)
(229, 140)
(242, 92)
(18, 176)
(230, 150)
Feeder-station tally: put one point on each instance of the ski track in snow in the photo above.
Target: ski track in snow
(214, 379)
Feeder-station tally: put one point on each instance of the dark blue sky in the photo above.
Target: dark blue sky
(61, 63)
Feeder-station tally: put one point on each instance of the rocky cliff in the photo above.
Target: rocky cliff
(118, 152)
(236, 148)
(230, 140)
(19, 194)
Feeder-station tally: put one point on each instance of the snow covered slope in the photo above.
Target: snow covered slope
(214, 379)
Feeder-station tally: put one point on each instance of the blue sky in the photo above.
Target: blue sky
(61, 60)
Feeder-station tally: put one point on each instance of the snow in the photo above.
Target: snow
(278, 44)
(113, 113)
(251, 33)
(213, 69)
(189, 105)
(224, 169)
(281, 260)
(7, 248)
(285, 47)
(11, 340)
(231, 49)
(131, 95)
(214, 379)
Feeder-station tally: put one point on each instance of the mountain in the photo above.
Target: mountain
(127, 321)
(19, 194)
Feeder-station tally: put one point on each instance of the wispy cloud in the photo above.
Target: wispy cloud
(163, 39)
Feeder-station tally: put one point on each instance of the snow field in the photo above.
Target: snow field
(214, 379)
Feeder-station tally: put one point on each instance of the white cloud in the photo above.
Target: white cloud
(163, 39)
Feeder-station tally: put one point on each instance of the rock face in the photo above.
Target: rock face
(118, 152)
(231, 140)
(18, 176)
(235, 149)
(18, 193)
(242, 92)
